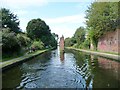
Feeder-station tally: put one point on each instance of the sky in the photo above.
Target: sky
(62, 16)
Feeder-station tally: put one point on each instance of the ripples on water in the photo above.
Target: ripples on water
(65, 70)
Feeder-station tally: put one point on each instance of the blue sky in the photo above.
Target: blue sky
(62, 16)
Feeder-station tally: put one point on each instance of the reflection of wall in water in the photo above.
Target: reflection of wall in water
(105, 72)
(62, 56)
(109, 65)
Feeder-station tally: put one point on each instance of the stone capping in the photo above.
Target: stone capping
(106, 55)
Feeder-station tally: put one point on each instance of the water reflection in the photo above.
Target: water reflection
(78, 71)
(110, 65)
(105, 71)
(62, 57)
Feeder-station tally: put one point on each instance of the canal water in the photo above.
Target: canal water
(71, 69)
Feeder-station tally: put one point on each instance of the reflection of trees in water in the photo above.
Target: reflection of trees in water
(83, 66)
(42, 58)
(10, 77)
(80, 58)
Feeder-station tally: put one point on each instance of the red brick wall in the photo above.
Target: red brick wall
(110, 42)
(62, 43)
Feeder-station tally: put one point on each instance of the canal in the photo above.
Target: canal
(71, 69)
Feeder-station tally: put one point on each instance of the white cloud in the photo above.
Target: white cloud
(30, 3)
(66, 25)
(63, 30)
(67, 19)
(21, 12)
(22, 3)
(70, 0)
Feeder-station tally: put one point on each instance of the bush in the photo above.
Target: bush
(85, 44)
(76, 45)
(70, 42)
(24, 41)
(9, 41)
(38, 45)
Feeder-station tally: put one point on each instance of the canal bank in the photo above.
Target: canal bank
(111, 56)
(13, 62)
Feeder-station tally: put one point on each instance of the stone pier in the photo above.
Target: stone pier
(61, 43)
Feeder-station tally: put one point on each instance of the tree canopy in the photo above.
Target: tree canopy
(77, 39)
(79, 35)
(9, 20)
(38, 29)
(15, 42)
(70, 41)
(102, 17)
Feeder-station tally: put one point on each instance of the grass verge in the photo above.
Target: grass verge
(103, 54)
(19, 59)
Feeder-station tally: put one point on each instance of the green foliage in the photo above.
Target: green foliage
(14, 44)
(55, 36)
(75, 45)
(24, 41)
(0, 36)
(77, 39)
(85, 44)
(37, 29)
(10, 43)
(9, 20)
(94, 39)
(70, 42)
(101, 17)
(52, 41)
(38, 45)
(80, 35)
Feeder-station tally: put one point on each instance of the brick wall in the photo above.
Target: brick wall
(62, 43)
(110, 42)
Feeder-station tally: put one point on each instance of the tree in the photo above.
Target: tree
(36, 28)
(9, 20)
(79, 35)
(55, 36)
(101, 17)
(10, 43)
(39, 30)
(70, 42)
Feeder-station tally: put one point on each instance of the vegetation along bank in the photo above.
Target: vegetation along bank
(102, 29)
